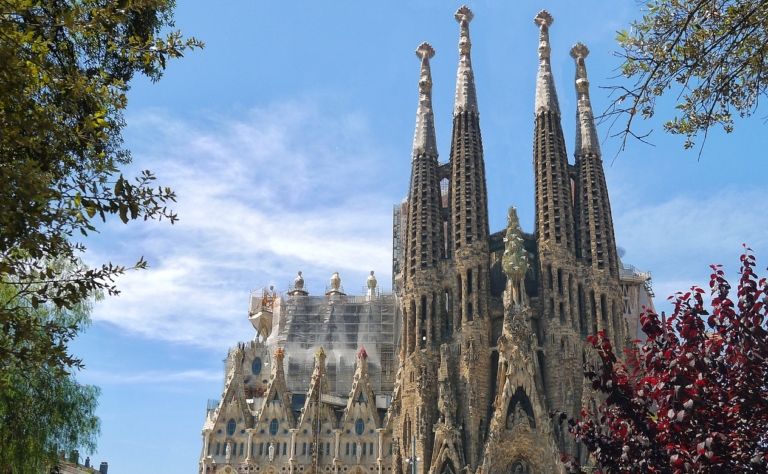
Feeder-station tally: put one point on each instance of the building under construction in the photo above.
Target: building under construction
(483, 336)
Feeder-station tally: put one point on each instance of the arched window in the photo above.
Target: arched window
(359, 426)
(274, 426)
(231, 426)
(256, 366)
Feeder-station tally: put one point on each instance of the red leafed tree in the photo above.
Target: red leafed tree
(694, 398)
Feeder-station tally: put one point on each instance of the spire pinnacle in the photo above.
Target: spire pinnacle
(546, 96)
(424, 137)
(586, 132)
(466, 96)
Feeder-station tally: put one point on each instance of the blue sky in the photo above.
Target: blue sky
(288, 140)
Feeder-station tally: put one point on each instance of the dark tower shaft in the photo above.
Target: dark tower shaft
(469, 234)
(424, 240)
(593, 209)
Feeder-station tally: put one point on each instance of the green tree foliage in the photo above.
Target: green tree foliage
(43, 411)
(710, 53)
(66, 66)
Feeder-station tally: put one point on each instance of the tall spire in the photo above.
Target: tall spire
(424, 137)
(466, 96)
(424, 234)
(554, 204)
(586, 133)
(596, 237)
(546, 96)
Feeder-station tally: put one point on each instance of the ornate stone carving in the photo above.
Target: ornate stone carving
(579, 52)
(335, 281)
(298, 283)
(543, 20)
(371, 282)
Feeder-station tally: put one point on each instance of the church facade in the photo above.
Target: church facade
(483, 336)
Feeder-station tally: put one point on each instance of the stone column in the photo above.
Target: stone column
(419, 315)
(429, 316)
(294, 432)
(380, 459)
(337, 434)
(250, 432)
(206, 440)
(464, 298)
(476, 294)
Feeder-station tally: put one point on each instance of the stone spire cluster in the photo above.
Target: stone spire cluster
(483, 336)
(496, 395)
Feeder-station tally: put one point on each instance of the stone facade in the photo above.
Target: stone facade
(483, 337)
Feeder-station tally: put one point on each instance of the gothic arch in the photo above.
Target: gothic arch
(447, 467)
(519, 466)
(519, 404)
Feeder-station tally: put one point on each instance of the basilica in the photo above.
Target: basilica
(482, 337)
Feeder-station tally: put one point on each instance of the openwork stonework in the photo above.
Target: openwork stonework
(483, 336)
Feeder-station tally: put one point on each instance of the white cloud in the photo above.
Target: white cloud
(150, 377)
(285, 188)
(678, 239)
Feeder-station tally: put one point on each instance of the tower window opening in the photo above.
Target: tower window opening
(603, 308)
(551, 278)
(469, 281)
(560, 280)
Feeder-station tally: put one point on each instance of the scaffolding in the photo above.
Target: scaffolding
(341, 325)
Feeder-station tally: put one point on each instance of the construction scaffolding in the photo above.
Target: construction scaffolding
(341, 325)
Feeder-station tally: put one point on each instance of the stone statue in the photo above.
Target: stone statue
(446, 401)
(228, 456)
(359, 452)
(371, 282)
(298, 283)
(271, 452)
(470, 353)
(335, 281)
(518, 416)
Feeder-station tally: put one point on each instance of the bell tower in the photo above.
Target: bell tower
(424, 244)
(469, 271)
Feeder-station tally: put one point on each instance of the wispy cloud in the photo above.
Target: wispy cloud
(282, 189)
(151, 377)
(677, 239)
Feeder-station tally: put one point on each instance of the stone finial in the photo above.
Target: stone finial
(543, 20)
(546, 96)
(464, 16)
(579, 52)
(424, 137)
(425, 52)
(279, 353)
(371, 281)
(466, 95)
(587, 141)
(320, 354)
(298, 283)
(361, 354)
(335, 281)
